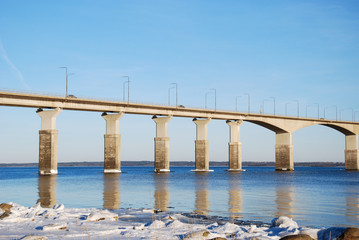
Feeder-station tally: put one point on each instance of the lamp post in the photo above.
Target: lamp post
(317, 108)
(128, 89)
(169, 94)
(215, 98)
(340, 113)
(306, 109)
(273, 105)
(286, 105)
(355, 115)
(336, 111)
(262, 106)
(297, 107)
(67, 80)
(237, 102)
(249, 102)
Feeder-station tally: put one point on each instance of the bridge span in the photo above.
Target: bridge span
(49, 107)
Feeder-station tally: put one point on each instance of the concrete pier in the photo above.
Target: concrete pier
(162, 144)
(202, 150)
(235, 146)
(48, 141)
(284, 152)
(351, 153)
(112, 161)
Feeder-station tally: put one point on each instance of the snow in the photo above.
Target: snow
(90, 223)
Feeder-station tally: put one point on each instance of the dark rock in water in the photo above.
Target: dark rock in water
(297, 237)
(350, 234)
(6, 207)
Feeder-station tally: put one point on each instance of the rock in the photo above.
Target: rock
(297, 237)
(350, 234)
(6, 207)
(331, 233)
(4, 215)
(34, 237)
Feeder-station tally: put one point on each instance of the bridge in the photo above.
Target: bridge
(49, 107)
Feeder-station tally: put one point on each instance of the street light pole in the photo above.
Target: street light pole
(237, 103)
(128, 89)
(67, 80)
(249, 102)
(286, 104)
(215, 98)
(273, 104)
(297, 107)
(169, 94)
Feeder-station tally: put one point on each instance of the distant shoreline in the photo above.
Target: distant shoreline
(177, 164)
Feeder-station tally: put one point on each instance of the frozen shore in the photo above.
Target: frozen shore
(20, 222)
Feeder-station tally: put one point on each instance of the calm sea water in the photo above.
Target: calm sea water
(312, 196)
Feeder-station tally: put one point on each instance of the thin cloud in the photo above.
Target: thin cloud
(13, 67)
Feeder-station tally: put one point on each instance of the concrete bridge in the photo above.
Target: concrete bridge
(49, 107)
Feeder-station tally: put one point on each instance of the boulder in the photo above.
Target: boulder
(6, 207)
(297, 237)
(350, 234)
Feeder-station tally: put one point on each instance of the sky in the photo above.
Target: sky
(293, 51)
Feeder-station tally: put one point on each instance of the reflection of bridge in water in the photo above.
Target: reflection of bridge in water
(282, 126)
(111, 191)
(202, 194)
(47, 190)
(162, 195)
(283, 195)
(235, 197)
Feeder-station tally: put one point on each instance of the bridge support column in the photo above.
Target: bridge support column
(162, 144)
(284, 152)
(48, 141)
(351, 153)
(235, 146)
(202, 143)
(112, 161)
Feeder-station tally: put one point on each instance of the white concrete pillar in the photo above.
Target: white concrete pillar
(162, 144)
(202, 143)
(48, 141)
(112, 161)
(284, 152)
(351, 153)
(235, 151)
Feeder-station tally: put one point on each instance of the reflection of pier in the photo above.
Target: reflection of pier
(202, 195)
(162, 196)
(47, 190)
(111, 192)
(235, 196)
(285, 201)
(352, 201)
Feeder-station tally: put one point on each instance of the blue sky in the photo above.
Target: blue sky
(304, 51)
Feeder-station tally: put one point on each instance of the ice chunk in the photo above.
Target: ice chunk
(284, 222)
(57, 226)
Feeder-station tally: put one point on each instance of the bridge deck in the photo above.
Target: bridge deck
(79, 104)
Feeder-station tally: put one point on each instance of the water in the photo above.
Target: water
(313, 196)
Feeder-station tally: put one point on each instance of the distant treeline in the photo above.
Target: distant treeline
(178, 164)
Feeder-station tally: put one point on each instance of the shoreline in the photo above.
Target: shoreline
(22, 222)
